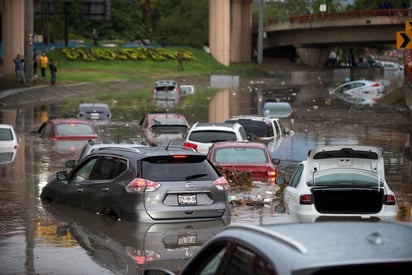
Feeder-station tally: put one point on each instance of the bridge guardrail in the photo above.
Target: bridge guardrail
(343, 15)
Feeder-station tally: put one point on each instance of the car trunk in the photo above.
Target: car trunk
(362, 200)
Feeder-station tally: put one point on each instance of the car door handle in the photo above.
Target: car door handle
(106, 189)
(79, 190)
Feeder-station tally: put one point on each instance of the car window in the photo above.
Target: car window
(108, 167)
(74, 129)
(178, 169)
(212, 136)
(349, 177)
(295, 178)
(241, 155)
(243, 261)
(214, 262)
(5, 134)
(83, 172)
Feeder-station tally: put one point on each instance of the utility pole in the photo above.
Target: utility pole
(28, 40)
(260, 34)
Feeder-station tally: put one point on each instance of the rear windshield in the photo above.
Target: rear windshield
(212, 136)
(165, 88)
(74, 129)
(168, 121)
(348, 177)
(240, 155)
(258, 128)
(5, 134)
(175, 168)
(93, 109)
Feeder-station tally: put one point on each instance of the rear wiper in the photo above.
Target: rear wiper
(195, 176)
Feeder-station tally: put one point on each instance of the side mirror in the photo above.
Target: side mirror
(70, 163)
(62, 175)
(276, 161)
(291, 133)
(251, 137)
(280, 181)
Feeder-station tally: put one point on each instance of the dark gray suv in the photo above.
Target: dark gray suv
(161, 184)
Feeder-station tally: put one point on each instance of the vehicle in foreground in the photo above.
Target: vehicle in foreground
(305, 249)
(96, 112)
(253, 157)
(67, 135)
(363, 92)
(8, 143)
(148, 184)
(340, 182)
(166, 90)
(202, 135)
(164, 128)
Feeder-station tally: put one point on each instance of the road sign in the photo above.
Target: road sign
(404, 40)
(408, 26)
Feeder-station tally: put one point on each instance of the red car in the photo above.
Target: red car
(162, 128)
(68, 135)
(245, 156)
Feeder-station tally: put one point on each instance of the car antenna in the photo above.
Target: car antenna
(168, 144)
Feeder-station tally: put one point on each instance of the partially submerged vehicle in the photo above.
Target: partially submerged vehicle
(362, 92)
(340, 182)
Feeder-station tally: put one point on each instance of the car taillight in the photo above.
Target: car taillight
(390, 200)
(376, 85)
(305, 199)
(190, 145)
(221, 183)
(272, 174)
(142, 185)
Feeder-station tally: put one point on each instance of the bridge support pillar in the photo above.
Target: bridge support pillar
(314, 57)
(12, 13)
(230, 30)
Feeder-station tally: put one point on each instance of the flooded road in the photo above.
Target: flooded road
(54, 239)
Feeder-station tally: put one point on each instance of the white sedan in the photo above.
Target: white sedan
(340, 182)
(365, 92)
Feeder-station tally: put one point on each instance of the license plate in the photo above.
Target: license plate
(187, 199)
(94, 115)
(186, 240)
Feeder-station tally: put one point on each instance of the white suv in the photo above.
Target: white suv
(202, 135)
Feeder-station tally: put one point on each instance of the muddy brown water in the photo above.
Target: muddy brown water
(35, 238)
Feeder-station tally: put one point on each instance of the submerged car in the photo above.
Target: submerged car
(340, 182)
(8, 143)
(304, 249)
(363, 92)
(166, 90)
(164, 128)
(253, 157)
(202, 135)
(152, 184)
(94, 111)
(67, 135)
(277, 109)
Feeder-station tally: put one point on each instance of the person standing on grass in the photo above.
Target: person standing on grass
(43, 60)
(19, 68)
(95, 36)
(53, 71)
(180, 61)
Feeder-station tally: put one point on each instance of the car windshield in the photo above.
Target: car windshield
(5, 134)
(178, 168)
(165, 88)
(164, 121)
(240, 155)
(340, 177)
(212, 136)
(74, 129)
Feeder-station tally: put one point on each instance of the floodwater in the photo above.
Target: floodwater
(55, 239)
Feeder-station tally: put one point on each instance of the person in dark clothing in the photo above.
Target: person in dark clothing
(19, 69)
(95, 36)
(53, 71)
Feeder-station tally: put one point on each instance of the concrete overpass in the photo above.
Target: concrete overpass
(313, 36)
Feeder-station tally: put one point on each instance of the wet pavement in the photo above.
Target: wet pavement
(49, 239)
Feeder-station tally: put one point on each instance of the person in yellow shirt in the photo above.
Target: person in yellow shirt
(43, 61)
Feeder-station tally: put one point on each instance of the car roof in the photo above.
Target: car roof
(165, 82)
(238, 144)
(212, 125)
(298, 246)
(6, 126)
(144, 152)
